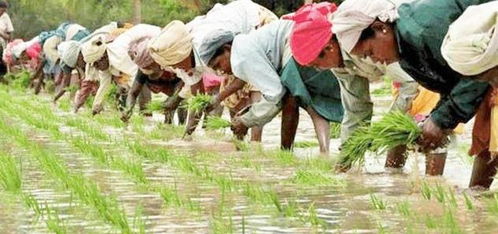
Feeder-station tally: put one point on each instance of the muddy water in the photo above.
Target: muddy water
(346, 209)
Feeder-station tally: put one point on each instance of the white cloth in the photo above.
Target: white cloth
(72, 30)
(50, 49)
(5, 27)
(117, 51)
(238, 17)
(69, 52)
(353, 16)
(471, 44)
(94, 49)
(258, 57)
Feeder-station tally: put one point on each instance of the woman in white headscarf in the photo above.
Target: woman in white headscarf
(471, 48)
(412, 35)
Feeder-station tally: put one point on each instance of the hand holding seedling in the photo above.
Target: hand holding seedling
(432, 136)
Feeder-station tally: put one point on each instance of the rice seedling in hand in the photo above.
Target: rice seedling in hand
(198, 102)
(305, 144)
(155, 106)
(215, 123)
(394, 129)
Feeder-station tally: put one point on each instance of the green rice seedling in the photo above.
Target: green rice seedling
(404, 208)
(313, 217)
(451, 198)
(170, 197)
(198, 103)
(89, 102)
(377, 203)
(291, 209)
(72, 89)
(493, 205)
(450, 221)
(19, 80)
(33, 204)
(219, 225)
(318, 164)
(10, 173)
(440, 193)
(468, 202)
(275, 200)
(215, 123)
(335, 130)
(381, 229)
(426, 191)
(354, 149)
(308, 177)
(53, 221)
(65, 104)
(305, 144)
(138, 220)
(430, 222)
(134, 169)
(155, 106)
(86, 190)
(284, 157)
(394, 129)
(241, 145)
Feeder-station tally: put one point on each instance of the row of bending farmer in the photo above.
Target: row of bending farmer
(322, 58)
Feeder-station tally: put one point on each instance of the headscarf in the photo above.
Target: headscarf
(93, 50)
(8, 55)
(354, 16)
(69, 52)
(212, 42)
(50, 49)
(18, 47)
(311, 32)
(172, 46)
(140, 53)
(471, 44)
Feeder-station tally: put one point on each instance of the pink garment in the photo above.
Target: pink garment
(211, 81)
(8, 55)
(34, 51)
(311, 32)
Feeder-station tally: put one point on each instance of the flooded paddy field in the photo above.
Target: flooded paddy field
(74, 173)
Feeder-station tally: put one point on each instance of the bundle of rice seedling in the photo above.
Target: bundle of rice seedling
(155, 106)
(394, 129)
(198, 102)
(215, 123)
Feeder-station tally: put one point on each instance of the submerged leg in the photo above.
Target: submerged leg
(434, 163)
(483, 171)
(290, 119)
(396, 157)
(322, 130)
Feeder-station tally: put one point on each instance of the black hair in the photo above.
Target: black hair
(367, 33)
(4, 4)
(322, 53)
(220, 50)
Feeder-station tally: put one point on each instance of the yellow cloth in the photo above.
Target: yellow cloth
(424, 103)
(94, 49)
(172, 46)
(493, 144)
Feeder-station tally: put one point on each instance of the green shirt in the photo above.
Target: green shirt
(421, 28)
